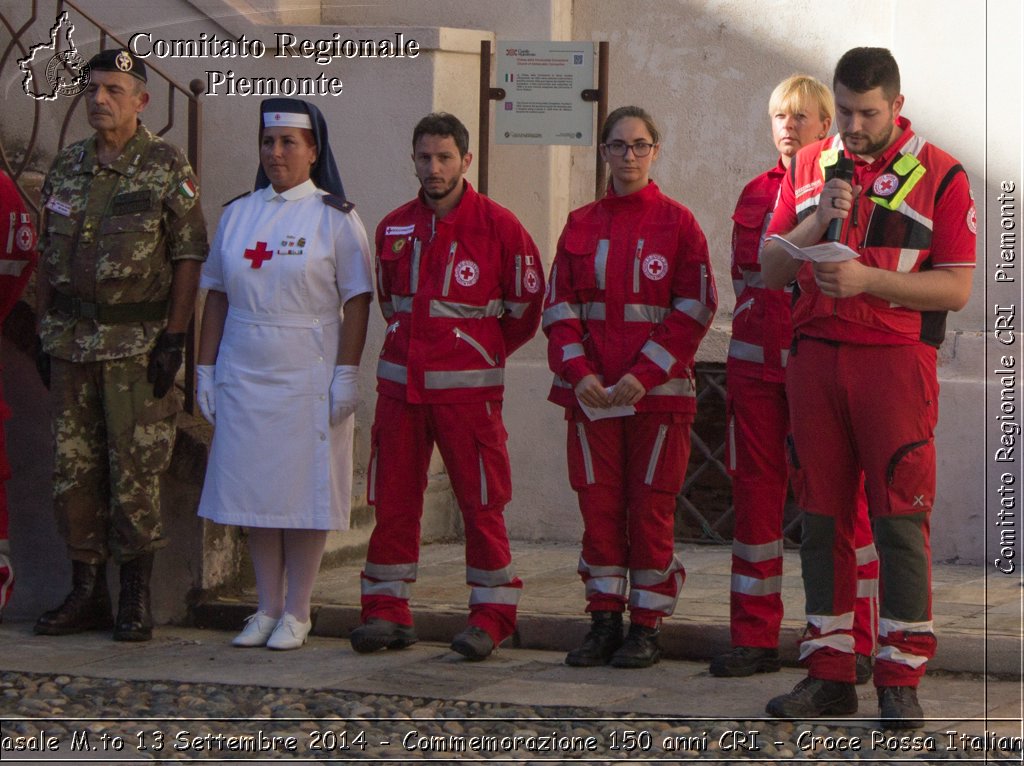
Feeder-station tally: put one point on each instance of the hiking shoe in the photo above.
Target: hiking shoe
(639, 650)
(815, 697)
(474, 643)
(865, 668)
(745, 661)
(898, 707)
(376, 634)
(598, 646)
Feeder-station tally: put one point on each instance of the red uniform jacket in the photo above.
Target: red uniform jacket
(915, 212)
(459, 294)
(631, 290)
(762, 324)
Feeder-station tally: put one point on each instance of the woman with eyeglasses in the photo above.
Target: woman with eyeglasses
(283, 329)
(631, 295)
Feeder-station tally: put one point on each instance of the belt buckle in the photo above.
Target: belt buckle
(85, 310)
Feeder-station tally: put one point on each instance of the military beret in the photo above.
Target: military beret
(118, 60)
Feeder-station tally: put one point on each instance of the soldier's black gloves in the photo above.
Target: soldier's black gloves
(164, 361)
(42, 362)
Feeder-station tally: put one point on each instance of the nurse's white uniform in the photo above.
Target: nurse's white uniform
(287, 262)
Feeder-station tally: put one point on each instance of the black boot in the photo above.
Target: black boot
(87, 607)
(604, 638)
(639, 650)
(134, 620)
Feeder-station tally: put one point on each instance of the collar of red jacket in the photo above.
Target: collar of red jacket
(641, 197)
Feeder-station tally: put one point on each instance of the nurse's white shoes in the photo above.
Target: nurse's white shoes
(289, 633)
(258, 628)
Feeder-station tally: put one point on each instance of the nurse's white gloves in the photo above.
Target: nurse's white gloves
(344, 392)
(205, 390)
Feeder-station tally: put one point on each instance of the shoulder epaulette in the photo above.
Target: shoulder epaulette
(243, 194)
(339, 203)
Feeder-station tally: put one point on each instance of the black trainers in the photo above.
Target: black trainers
(815, 697)
(639, 650)
(598, 646)
(473, 643)
(745, 661)
(865, 668)
(377, 634)
(898, 707)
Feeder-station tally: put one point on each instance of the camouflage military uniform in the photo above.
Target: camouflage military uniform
(112, 234)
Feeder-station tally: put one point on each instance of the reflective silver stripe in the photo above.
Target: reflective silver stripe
(506, 596)
(483, 481)
(601, 263)
(913, 146)
(743, 307)
(892, 654)
(907, 260)
(551, 283)
(656, 602)
(402, 303)
(867, 588)
(605, 586)
(636, 265)
(453, 310)
(784, 356)
(559, 382)
(703, 285)
(757, 553)
(866, 554)
(414, 278)
(396, 373)
(841, 642)
(887, 626)
(738, 287)
(519, 276)
(748, 352)
(516, 310)
(675, 387)
(652, 464)
(464, 378)
(477, 346)
(593, 310)
(694, 309)
(595, 570)
(755, 586)
(560, 312)
(641, 312)
(395, 588)
(12, 268)
(387, 309)
(649, 578)
(659, 355)
(588, 463)
(390, 571)
(830, 623)
(753, 278)
(572, 351)
(490, 578)
(809, 202)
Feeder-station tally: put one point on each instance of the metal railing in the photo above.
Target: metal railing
(31, 152)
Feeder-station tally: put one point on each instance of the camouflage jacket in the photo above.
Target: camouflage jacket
(111, 235)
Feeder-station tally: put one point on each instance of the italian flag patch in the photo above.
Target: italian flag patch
(187, 189)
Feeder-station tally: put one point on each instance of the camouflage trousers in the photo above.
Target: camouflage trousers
(113, 440)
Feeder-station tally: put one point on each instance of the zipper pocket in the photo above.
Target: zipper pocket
(659, 442)
(588, 462)
(414, 277)
(636, 265)
(519, 276)
(449, 268)
(475, 344)
(743, 307)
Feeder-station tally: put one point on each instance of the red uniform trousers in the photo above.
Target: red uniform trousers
(626, 473)
(471, 438)
(871, 409)
(758, 424)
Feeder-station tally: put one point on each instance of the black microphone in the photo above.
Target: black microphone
(843, 170)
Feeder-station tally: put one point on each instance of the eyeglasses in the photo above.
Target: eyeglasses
(620, 148)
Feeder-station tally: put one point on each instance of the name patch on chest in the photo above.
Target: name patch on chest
(58, 206)
(132, 202)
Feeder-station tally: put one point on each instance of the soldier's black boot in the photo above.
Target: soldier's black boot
(134, 619)
(598, 646)
(87, 607)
